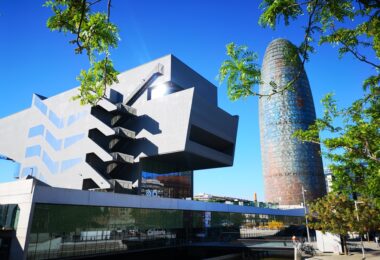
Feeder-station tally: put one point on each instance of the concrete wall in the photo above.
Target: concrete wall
(56, 154)
(20, 193)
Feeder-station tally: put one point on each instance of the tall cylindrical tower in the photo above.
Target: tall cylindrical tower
(288, 164)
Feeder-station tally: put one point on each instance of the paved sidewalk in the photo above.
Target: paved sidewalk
(372, 251)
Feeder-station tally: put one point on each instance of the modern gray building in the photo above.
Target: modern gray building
(154, 128)
(288, 164)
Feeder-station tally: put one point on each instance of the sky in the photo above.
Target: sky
(35, 60)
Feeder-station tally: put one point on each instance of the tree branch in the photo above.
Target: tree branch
(303, 53)
(80, 47)
(108, 11)
(367, 3)
(359, 56)
(92, 3)
(107, 53)
(367, 151)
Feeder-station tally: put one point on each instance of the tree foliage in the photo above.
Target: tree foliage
(351, 25)
(336, 213)
(241, 72)
(354, 27)
(93, 34)
(353, 148)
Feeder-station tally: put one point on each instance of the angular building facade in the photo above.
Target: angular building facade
(288, 164)
(155, 127)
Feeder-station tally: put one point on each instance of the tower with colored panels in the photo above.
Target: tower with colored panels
(288, 164)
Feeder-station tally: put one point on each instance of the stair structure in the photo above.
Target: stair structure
(116, 144)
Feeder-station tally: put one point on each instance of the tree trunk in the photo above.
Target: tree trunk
(343, 241)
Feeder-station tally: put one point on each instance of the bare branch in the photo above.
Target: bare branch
(92, 3)
(108, 11)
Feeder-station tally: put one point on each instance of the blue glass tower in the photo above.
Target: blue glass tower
(288, 164)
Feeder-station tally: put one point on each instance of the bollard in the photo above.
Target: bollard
(294, 239)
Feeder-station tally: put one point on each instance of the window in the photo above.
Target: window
(29, 171)
(58, 122)
(67, 164)
(168, 185)
(74, 230)
(72, 140)
(75, 117)
(37, 102)
(33, 151)
(54, 142)
(9, 214)
(205, 138)
(50, 164)
(37, 130)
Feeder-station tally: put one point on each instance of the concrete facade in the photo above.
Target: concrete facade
(288, 164)
(161, 117)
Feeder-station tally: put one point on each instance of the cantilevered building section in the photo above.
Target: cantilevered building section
(154, 128)
(157, 125)
(288, 164)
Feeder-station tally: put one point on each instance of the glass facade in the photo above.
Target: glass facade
(168, 185)
(9, 216)
(67, 230)
(288, 164)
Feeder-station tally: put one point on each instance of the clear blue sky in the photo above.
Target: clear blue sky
(35, 60)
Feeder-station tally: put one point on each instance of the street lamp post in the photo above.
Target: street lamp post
(357, 217)
(304, 206)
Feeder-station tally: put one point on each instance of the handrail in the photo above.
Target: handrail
(157, 71)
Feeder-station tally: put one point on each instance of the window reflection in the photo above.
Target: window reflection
(163, 89)
(168, 185)
(68, 230)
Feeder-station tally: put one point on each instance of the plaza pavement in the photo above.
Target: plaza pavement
(372, 251)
